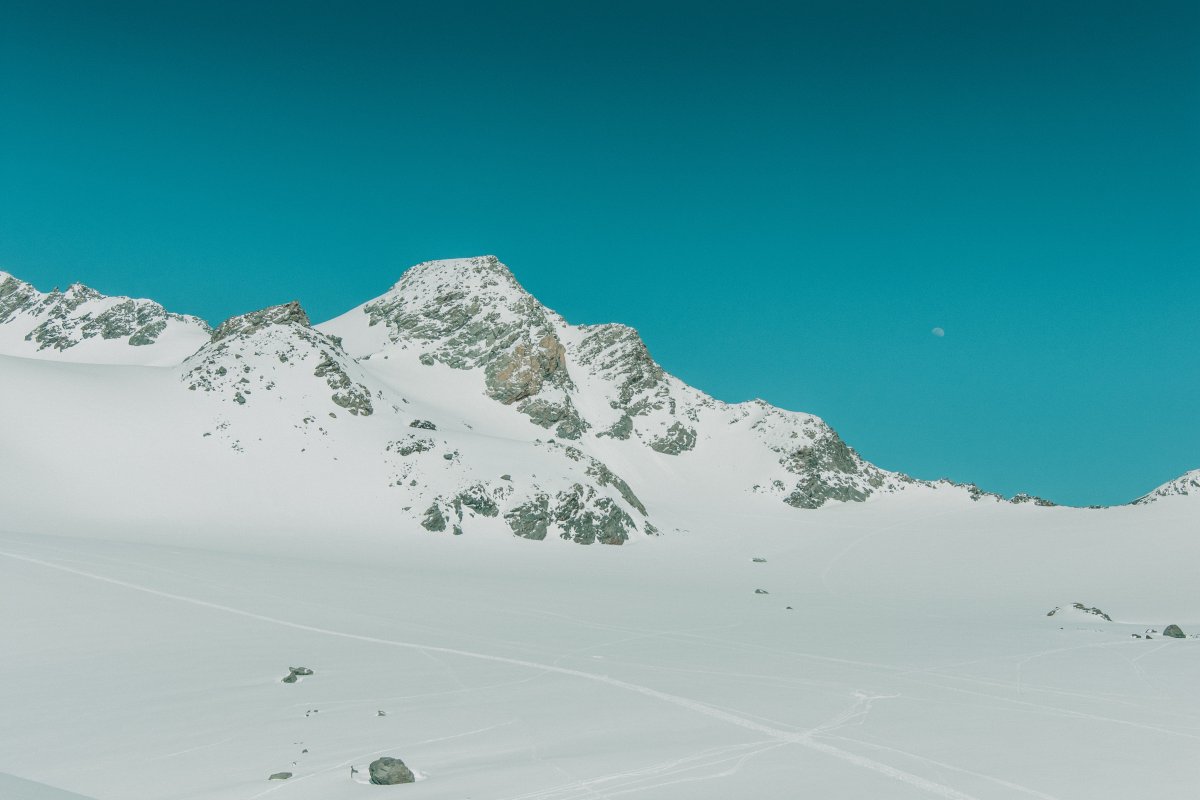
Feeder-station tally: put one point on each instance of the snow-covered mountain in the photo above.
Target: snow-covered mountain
(1186, 484)
(191, 517)
(455, 401)
(83, 325)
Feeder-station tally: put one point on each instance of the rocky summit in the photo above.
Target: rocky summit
(455, 403)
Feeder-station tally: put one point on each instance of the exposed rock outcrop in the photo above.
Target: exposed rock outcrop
(254, 352)
(388, 771)
(1186, 484)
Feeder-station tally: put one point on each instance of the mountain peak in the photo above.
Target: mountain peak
(458, 310)
(474, 271)
(1186, 484)
(284, 314)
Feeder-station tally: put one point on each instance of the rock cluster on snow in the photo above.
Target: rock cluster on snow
(295, 673)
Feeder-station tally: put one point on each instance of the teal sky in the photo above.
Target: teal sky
(784, 198)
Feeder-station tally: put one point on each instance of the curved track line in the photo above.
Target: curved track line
(1016, 787)
(802, 739)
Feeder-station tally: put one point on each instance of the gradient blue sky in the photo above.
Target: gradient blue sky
(785, 198)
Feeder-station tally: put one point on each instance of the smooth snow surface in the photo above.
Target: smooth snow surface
(917, 659)
(14, 788)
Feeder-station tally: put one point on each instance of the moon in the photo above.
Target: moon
(938, 332)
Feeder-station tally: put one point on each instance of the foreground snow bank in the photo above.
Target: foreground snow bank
(903, 651)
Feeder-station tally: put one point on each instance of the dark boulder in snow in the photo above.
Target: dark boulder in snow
(280, 776)
(1174, 631)
(434, 519)
(387, 771)
(296, 672)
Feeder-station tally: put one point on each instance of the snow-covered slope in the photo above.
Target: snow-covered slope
(899, 649)
(1183, 486)
(83, 325)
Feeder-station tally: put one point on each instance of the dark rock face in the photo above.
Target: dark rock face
(434, 519)
(828, 469)
(1174, 631)
(678, 438)
(296, 672)
(275, 340)
(280, 776)
(563, 417)
(1025, 497)
(814, 492)
(621, 429)
(586, 517)
(387, 771)
(477, 499)
(582, 515)
(1093, 611)
(531, 519)
(522, 371)
(354, 397)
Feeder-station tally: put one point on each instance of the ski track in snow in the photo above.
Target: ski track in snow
(1064, 712)
(804, 739)
(635, 780)
(942, 765)
(226, 740)
(1039, 689)
(685, 634)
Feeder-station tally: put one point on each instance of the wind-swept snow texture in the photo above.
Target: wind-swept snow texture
(184, 525)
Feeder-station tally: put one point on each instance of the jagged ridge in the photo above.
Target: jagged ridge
(68, 324)
(443, 390)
